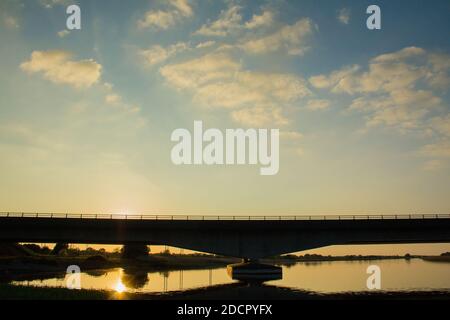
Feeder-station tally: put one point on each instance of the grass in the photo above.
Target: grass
(235, 291)
(12, 292)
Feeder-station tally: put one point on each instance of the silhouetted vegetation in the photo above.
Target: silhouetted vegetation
(134, 251)
(59, 248)
(37, 248)
(14, 250)
(95, 262)
(166, 252)
(444, 257)
(318, 257)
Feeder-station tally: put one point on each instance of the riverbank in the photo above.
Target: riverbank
(445, 259)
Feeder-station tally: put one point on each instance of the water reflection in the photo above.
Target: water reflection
(119, 287)
(134, 278)
(96, 273)
(323, 277)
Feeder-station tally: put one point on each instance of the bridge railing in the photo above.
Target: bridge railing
(219, 217)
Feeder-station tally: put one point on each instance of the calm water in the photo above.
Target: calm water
(318, 276)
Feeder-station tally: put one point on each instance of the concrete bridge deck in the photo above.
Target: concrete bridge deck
(251, 237)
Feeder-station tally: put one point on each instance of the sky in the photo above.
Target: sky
(86, 115)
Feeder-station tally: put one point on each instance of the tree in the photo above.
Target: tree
(59, 247)
(133, 251)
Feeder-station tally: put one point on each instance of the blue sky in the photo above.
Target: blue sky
(86, 116)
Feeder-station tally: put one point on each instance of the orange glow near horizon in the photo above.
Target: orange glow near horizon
(120, 287)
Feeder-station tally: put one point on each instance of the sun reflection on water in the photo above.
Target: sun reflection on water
(120, 287)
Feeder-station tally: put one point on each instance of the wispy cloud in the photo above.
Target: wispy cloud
(57, 66)
(291, 38)
(400, 90)
(219, 81)
(164, 19)
(264, 19)
(158, 54)
(183, 7)
(228, 21)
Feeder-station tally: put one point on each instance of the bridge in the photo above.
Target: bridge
(249, 237)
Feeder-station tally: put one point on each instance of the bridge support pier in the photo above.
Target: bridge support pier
(252, 271)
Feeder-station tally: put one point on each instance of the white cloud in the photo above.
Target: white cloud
(386, 72)
(164, 19)
(218, 81)
(158, 54)
(158, 19)
(439, 77)
(197, 72)
(404, 109)
(183, 7)
(344, 16)
(291, 38)
(336, 77)
(388, 90)
(265, 19)
(400, 55)
(400, 90)
(228, 21)
(440, 61)
(57, 66)
(259, 117)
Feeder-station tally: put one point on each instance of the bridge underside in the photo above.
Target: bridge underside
(243, 239)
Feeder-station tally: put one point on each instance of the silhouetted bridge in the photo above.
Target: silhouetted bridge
(251, 237)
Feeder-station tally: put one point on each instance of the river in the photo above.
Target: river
(321, 277)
